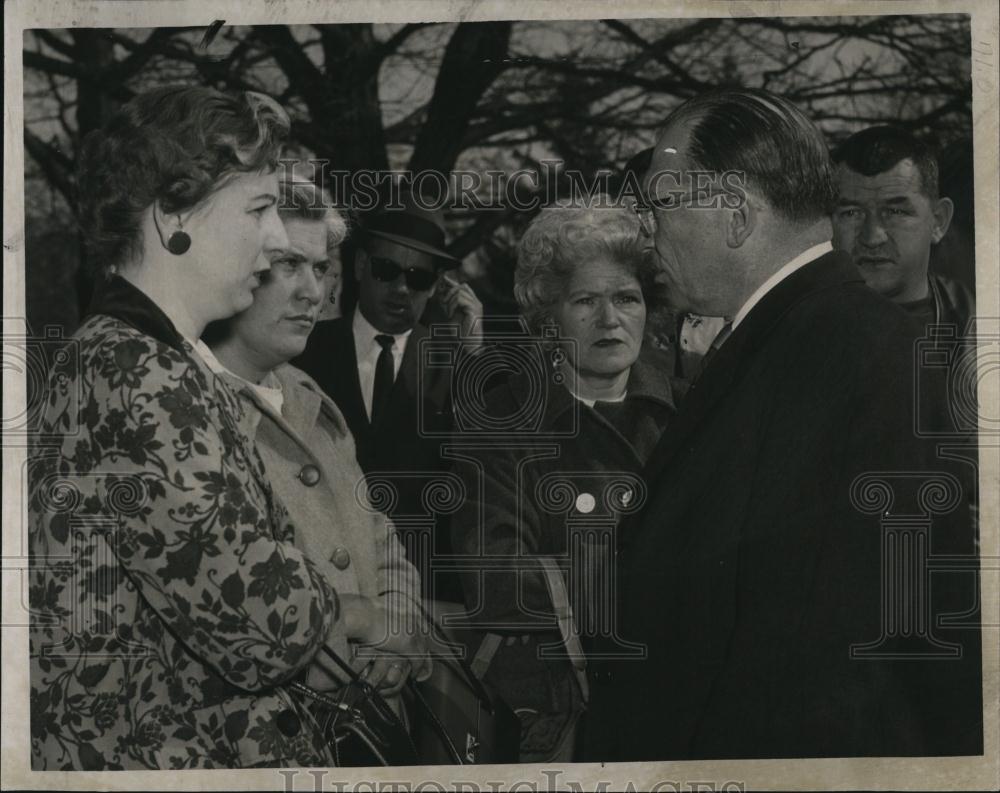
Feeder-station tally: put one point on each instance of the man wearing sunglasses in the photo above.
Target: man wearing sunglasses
(369, 362)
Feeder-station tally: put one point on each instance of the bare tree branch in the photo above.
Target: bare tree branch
(56, 166)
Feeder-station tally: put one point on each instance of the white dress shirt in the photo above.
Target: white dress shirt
(698, 332)
(799, 261)
(368, 350)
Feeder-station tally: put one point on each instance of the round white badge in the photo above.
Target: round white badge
(585, 503)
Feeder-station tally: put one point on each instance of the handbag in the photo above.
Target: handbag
(454, 720)
(458, 720)
(546, 682)
(358, 726)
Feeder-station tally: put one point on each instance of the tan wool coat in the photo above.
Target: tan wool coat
(310, 459)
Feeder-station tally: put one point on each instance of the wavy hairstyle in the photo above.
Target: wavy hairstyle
(306, 201)
(174, 146)
(562, 236)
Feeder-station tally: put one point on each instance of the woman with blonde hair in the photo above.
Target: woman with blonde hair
(584, 284)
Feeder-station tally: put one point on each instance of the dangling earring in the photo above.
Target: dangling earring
(179, 242)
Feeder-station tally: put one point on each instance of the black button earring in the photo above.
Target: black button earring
(179, 242)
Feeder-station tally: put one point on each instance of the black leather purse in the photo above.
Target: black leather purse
(458, 719)
(359, 727)
(454, 720)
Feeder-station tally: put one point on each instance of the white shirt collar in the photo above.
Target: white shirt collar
(786, 270)
(367, 351)
(269, 389)
(591, 402)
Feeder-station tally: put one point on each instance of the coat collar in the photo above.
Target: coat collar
(646, 381)
(331, 361)
(119, 298)
(305, 401)
(828, 271)
(410, 366)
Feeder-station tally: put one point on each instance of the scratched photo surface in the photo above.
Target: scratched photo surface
(505, 392)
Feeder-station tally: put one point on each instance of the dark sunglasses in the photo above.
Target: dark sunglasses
(387, 270)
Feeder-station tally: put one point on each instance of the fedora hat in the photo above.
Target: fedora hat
(413, 226)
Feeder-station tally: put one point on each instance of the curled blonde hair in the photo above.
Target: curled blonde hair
(560, 237)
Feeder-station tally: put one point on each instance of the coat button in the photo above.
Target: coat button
(288, 723)
(309, 475)
(341, 557)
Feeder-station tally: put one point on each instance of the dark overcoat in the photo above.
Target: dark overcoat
(530, 493)
(555, 492)
(754, 575)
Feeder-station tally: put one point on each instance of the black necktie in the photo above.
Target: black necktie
(384, 375)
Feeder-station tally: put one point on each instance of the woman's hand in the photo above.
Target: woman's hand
(388, 673)
(397, 637)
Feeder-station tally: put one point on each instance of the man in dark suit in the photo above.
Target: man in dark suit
(397, 406)
(782, 493)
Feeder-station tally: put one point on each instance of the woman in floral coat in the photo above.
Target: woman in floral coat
(170, 606)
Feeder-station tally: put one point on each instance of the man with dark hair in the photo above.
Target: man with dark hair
(751, 579)
(888, 216)
(369, 363)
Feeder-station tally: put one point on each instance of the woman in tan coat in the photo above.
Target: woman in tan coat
(307, 449)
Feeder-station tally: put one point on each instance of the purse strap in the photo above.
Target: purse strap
(468, 670)
(418, 697)
(432, 717)
(556, 585)
(567, 626)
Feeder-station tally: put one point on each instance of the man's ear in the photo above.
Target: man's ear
(740, 223)
(943, 210)
(360, 259)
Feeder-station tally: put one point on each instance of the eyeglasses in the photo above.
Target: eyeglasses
(387, 271)
(647, 222)
(644, 209)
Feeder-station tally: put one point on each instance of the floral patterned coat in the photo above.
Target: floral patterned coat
(170, 606)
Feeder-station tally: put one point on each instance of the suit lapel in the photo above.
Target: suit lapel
(701, 398)
(340, 376)
(406, 385)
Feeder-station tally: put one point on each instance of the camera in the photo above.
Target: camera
(473, 365)
(49, 365)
